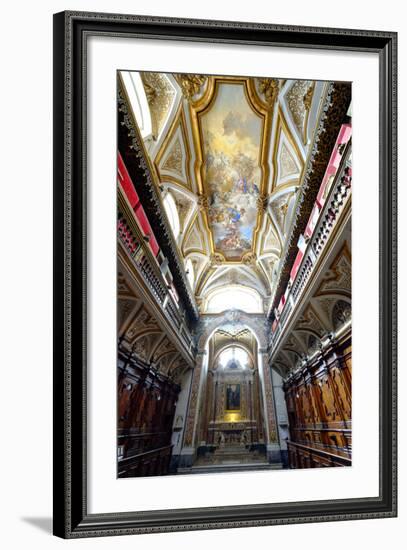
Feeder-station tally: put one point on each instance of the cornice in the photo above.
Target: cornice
(336, 105)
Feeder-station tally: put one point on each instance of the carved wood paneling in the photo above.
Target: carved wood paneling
(319, 406)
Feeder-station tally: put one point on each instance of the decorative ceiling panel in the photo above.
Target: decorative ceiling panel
(287, 165)
(193, 241)
(280, 209)
(231, 132)
(271, 242)
(185, 206)
(172, 160)
(236, 147)
(160, 96)
(298, 98)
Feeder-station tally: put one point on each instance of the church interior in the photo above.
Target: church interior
(233, 274)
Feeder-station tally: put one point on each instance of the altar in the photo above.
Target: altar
(233, 434)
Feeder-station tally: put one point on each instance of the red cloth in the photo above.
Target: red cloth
(133, 198)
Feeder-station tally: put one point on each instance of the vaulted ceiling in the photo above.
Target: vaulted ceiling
(231, 153)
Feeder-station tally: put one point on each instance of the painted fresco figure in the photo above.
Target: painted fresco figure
(235, 215)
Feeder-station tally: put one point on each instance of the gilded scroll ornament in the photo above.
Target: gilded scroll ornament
(190, 84)
(269, 88)
(215, 260)
(202, 202)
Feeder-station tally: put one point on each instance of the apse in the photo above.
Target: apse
(234, 357)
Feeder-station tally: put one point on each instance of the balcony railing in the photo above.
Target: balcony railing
(305, 456)
(329, 217)
(147, 267)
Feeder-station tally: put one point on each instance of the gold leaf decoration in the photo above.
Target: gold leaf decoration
(160, 96)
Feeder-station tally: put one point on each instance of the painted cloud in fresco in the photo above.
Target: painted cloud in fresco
(232, 132)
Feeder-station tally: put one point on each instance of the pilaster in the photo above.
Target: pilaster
(189, 444)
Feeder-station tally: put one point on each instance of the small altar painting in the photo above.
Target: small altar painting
(233, 397)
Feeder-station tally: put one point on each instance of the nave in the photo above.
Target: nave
(234, 274)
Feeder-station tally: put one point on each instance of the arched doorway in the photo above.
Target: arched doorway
(232, 417)
(231, 428)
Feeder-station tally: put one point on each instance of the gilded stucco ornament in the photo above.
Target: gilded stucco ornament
(250, 258)
(269, 88)
(174, 160)
(288, 167)
(307, 99)
(191, 84)
(184, 207)
(160, 96)
(215, 260)
(202, 202)
(262, 202)
(296, 104)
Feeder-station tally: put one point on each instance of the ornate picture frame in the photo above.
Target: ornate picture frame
(71, 32)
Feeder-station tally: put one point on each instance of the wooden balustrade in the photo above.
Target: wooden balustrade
(147, 266)
(330, 214)
(150, 463)
(304, 456)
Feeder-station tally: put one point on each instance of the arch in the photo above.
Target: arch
(165, 353)
(324, 303)
(288, 351)
(187, 197)
(221, 298)
(341, 313)
(307, 331)
(256, 323)
(340, 293)
(146, 332)
(200, 262)
(243, 357)
(236, 344)
(280, 368)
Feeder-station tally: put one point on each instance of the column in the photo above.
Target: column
(271, 436)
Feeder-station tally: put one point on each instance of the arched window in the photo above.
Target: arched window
(233, 358)
(189, 270)
(234, 297)
(172, 214)
(138, 101)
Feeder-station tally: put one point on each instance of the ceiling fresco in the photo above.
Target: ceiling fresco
(232, 175)
(231, 152)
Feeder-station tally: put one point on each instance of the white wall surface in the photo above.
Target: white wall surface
(26, 274)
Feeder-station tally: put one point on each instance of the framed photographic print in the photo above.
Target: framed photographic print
(225, 274)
